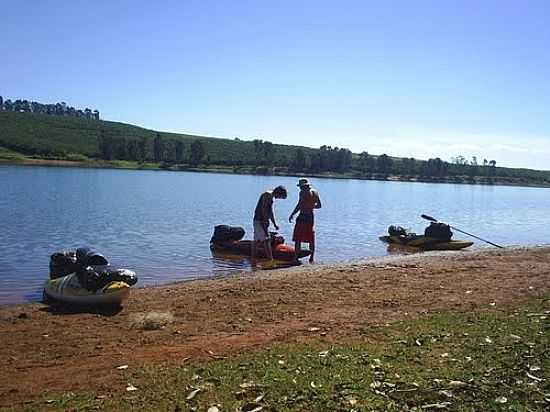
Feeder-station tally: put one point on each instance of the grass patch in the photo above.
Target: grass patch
(151, 320)
(76, 157)
(496, 361)
(7, 154)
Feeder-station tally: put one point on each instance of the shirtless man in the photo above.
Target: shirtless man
(304, 230)
(262, 215)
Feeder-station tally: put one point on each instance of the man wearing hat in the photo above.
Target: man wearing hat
(304, 230)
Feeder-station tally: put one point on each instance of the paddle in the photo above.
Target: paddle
(431, 219)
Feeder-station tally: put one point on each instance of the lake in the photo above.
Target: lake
(159, 223)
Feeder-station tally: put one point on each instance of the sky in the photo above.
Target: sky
(408, 78)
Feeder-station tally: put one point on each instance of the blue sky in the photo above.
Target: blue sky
(407, 78)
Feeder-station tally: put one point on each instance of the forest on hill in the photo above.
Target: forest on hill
(75, 138)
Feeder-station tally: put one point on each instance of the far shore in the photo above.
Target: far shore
(261, 171)
(48, 349)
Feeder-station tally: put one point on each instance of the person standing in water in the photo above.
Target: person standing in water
(262, 215)
(304, 229)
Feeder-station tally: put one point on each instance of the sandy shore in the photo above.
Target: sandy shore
(55, 348)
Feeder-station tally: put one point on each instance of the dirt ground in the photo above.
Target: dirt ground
(52, 348)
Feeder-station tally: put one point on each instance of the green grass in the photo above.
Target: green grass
(7, 154)
(496, 361)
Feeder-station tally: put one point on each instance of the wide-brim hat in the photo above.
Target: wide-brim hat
(303, 182)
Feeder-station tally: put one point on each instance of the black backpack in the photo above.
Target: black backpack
(67, 262)
(395, 230)
(225, 233)
(439, 231)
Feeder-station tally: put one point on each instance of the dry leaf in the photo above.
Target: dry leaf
(192, 394)
(376, 385)
(501, 399)
(441, 405)
(536, 378)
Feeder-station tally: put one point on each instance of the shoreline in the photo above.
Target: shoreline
(48, 348)
(248, 170)
(394, 258)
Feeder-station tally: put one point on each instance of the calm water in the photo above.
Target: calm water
(159, 223)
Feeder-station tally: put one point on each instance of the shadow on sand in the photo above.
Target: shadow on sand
(61, 308)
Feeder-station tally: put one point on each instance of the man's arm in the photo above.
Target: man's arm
(267, 209)
(296, 209)
(272, 217)
(317, 200)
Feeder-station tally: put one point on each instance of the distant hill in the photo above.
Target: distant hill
(72, 138)
(37, 134)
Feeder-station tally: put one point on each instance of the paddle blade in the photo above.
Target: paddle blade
(428, 218)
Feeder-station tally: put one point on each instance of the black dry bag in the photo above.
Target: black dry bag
(225, 233)
(439, 231)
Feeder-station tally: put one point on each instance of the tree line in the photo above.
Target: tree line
(266, 155)
(157, 149)
(57, 109)
(62, 139)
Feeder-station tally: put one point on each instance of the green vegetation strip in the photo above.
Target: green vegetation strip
(99, 143)
(458, 362)
(7, 154)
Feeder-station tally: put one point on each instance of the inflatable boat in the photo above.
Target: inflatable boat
(85, 277)
(227, 239)
(68, 289)
(244, 248)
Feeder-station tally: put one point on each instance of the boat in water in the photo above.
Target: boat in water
(229, 239)
(435, 237)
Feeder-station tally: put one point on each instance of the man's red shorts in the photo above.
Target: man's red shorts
(303, 232)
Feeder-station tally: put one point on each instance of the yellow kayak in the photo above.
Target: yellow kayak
(425, 242)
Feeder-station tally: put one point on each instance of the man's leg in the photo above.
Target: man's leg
(268, 251)
(297, 249)
(253, 252)
(254, 244)
(312, 249)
